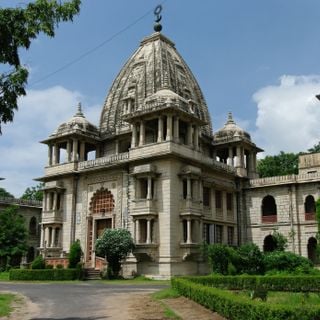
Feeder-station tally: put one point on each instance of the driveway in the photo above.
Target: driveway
(76, 301)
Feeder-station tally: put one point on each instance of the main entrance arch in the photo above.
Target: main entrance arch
(101, 217)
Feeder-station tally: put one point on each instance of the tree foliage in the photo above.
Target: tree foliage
(278, 165)
(33, 193)
(18, 27)
(280, 240)
(13, 235)
(315, 148)
(115, 245)
(75, 254)
(5, 194)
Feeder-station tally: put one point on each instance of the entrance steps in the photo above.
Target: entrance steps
(92, 274)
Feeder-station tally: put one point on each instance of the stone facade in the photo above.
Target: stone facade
(31, 211)
(155, 167)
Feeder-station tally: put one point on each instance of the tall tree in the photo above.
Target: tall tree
(33, 193)
(13, 236)
(315, 148)
(5, 194)
(18, 26)
(278, 165)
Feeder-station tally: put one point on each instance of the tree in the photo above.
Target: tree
(280, 240)
(13, 236)
(115, 245)
(18, 26)
(315, 148)
(278, 165)
(75, 254)
(5, 194)
(33, 193)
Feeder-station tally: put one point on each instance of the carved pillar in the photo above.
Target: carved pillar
(176, 129)
(239, 157)
(134, 136)
(160, 129)
(137, 231)
(142, 133)
(53, 237)
(117, 146)
(169, 128)
(149, 191)
(196, 137)
(50, 155)
(189, 194)
(148, 241)
(75, 150)
(56, 158)
(189, 231)
(189, 134)
(46, 236)
(69, 155)
(82, 150)
(42, 237)
(230, 157)
(55, 200)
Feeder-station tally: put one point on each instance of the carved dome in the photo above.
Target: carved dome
(155, 71)
(230, 131)
(78, 123)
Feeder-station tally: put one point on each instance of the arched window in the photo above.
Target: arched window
(102, 202)
(269, 209)
(312, 247)
(269, 244)
(310, 205)
(33, 226)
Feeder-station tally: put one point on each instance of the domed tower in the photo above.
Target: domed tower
(156, 98)
(234, 147)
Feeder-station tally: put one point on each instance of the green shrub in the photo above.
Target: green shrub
(286, 261)
(250, 259)
(49, 266)
(75, 254)
(219, 256)
(44, 274)
(233, 306)
(59, 266)
(38, 263)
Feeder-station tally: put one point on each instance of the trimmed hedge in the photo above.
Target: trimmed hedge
(45, 274)
(270, 283)
(232, 306)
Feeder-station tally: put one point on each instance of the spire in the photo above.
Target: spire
(230, 118)
(157, 26)
(79, 111)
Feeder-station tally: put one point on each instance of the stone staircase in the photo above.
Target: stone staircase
(92, 274)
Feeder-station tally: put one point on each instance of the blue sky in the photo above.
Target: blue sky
(258, 59)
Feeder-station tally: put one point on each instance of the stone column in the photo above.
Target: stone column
(239, 159)
(46, 236)
(75, 150)
(134, 136)
(200, 238)
(134, 230)
(189, 134)
(169, 128)
(137, 231)
(149, 191)
(42, 237)
(160, 129)
(230, 157)
(53, 236)
(148, 241)
(56, 157)
(189, 194)
(196, 137)
(117, 146)
(69, 153)
(142, 133)
(200, 198)
(55, 198)
(176, 129)
(224, 204)
(189, 231)
(50, 155)
(82, 150)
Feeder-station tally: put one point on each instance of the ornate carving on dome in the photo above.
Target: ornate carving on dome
(155, 73)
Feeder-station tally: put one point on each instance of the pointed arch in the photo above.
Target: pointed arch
(102, 202)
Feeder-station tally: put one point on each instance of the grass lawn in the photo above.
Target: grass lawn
(4, 276)
(289, 298)
(138, 280)
(5, 302)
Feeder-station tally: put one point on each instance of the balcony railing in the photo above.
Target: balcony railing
(21, 202)
(269, 219)
(310, 216)
(101, 162)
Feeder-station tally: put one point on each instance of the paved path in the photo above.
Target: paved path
(77, 301)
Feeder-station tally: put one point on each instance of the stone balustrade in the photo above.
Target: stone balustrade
(61, 168)
(101, 162)
(21, 202)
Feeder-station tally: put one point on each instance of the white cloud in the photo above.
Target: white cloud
(288, 114)
(40, 113)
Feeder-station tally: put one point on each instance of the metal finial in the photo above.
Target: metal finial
(79, 111)
(157, 27)
(230, 118)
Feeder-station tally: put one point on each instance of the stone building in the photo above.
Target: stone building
(155, 167)
(31, 211)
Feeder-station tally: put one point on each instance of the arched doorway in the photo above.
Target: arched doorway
(312, 249)
(310, 208)
(269, 244)
(33, 226)
(101, 217)
(30, 254)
